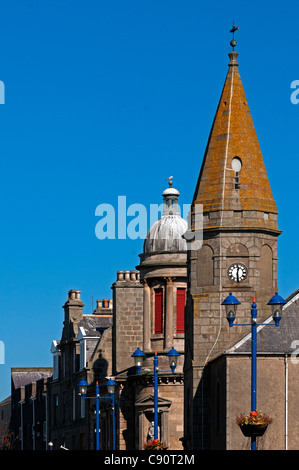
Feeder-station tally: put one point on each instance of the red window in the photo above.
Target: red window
(180, 310)
(158, 311)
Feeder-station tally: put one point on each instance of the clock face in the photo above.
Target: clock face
(237, 272)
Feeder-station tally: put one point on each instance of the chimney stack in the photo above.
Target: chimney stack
(73, 309)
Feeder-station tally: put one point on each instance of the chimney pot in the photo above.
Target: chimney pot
(72, 294)
(78, 294)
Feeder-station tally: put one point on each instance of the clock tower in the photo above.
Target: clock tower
(238, 252)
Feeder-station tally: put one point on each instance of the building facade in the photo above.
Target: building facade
(83, 352)
(238, 255)
(29, 407)
(149, 313)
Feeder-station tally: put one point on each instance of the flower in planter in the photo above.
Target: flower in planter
(254, 418)
(154, 445)
(254, 424)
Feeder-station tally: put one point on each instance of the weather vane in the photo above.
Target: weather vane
(233, 42)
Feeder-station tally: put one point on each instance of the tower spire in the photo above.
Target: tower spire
(233, 176)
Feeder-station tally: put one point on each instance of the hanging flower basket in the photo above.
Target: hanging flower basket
(154, 445)
(254, 425)
(253, 430)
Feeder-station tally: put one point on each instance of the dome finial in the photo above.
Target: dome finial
(233, 42)
(170, 182)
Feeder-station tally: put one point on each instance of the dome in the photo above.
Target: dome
(166, 234)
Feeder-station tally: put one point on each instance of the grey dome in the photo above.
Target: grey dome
(166, 234)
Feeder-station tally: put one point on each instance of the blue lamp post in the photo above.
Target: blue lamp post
(139, 355)
(231, 304)
(111, 388)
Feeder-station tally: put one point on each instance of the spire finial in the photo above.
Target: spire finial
(233, 42)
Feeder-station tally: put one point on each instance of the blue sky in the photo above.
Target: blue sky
(110, 97)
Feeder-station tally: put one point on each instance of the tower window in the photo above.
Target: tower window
(180, 310)
(158, 311)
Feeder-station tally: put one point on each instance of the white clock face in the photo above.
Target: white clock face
(237, 272)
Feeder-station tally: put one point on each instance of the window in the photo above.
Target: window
(158, 311)
(180, 310)
(63, 407)
(74, 404)
(82, 354)
(55, 414)
(74, 359)
(63, 360)
(56, 361)
(55, 366)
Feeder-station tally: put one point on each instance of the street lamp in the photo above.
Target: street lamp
(231, 304)
(276, 303)
(82, 385)
(139, 355)
(173, 356)
(111, 389)
(138, 358)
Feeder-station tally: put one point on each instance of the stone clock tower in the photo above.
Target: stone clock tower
(239, 250)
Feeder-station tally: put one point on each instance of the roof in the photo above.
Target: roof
(6, 401)
(23, 376)
(94, 325)
(91, 328)
(233, 135)
(166, 234)
(275, 340)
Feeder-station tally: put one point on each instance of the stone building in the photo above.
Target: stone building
(29, 407)
(149, 314)
(277, 385)
(147, 311)
(238, 255)
(83, 352)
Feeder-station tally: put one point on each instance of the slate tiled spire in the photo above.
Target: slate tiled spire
(233, 135)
